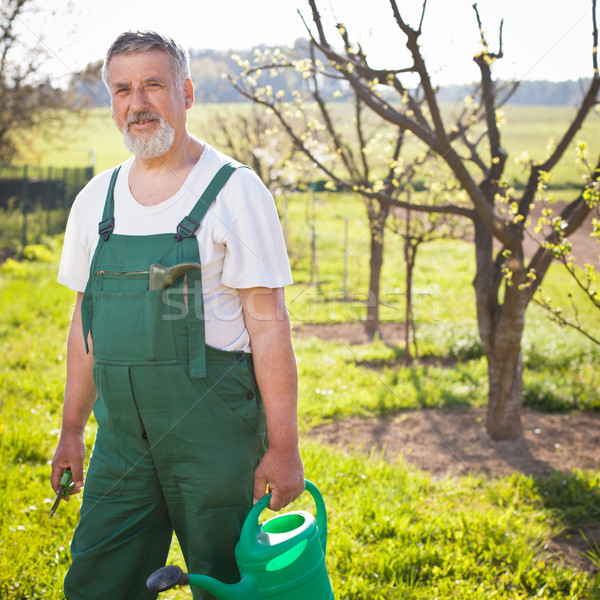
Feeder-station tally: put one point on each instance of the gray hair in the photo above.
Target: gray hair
(132, 42)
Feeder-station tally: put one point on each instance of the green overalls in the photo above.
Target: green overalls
(181, 425)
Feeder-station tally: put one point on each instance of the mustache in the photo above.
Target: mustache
(144, 115)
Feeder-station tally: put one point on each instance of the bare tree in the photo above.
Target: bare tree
(28, 100)
(353, 152)
(418, 228)
(253, 137)
(505, 280)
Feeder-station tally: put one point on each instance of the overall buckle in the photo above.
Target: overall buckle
(105, 228)
(186, 228)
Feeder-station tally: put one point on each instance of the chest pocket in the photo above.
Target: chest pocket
(133, 324)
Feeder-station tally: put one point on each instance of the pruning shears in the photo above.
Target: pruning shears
(64, 488)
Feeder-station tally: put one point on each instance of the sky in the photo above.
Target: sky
(543, 39)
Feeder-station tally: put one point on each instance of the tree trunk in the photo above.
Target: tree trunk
(375, 265)
(408, 312)
(505, 386)
(501, 330)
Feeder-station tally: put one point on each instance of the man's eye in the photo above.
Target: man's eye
(121, 91)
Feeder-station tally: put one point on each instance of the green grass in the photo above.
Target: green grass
(397, 534)
(533, 129)
(393, 532)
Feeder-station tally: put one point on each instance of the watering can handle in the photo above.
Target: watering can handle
(321, 512)
(251, 521)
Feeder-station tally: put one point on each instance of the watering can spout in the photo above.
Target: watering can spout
(225, 591)
(170, 576)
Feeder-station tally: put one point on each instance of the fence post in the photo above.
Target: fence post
(65, 187)
(24, 204)
(314, 270)
(48, 199)
(346, 242)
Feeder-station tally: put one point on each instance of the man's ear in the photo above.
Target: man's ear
(188, 88)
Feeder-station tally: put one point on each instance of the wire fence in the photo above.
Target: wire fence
(35, 201)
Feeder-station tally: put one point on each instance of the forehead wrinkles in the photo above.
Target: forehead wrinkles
(124, 69)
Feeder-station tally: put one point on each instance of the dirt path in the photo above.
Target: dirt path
(454, 441)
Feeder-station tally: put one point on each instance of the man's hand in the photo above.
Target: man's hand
(280, 471)
(70, 452)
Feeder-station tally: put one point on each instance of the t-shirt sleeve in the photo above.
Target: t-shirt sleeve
(73, 271)
(81, 233)
(255, 254)
(81, 236)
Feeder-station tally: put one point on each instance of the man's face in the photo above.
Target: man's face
(147, 104)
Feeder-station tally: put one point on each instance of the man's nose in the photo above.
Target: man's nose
(138, 99)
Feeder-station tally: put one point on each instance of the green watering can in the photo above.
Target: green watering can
(283, 558)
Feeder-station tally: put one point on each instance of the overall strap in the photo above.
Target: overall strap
(186, 236)
(106, 226)
(189, 224)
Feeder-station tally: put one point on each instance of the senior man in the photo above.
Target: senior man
(179, 265)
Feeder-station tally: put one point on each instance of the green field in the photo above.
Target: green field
(525, 129)
(394, 532)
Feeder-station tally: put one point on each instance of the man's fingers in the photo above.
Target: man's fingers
(55, 476)
(260, 489)
(277, 501)
(281, 498)
(77, 474)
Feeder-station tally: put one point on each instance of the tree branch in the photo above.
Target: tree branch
(344, 152)
(574, 214)
(556, 316)
(586, 106)
(483, 60)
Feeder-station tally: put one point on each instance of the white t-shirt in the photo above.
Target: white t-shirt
(240, 239)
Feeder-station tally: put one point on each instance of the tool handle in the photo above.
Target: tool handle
(66, 481)
(66, 477)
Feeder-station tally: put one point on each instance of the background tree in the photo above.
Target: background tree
(29, 103)
(506, 279)
(418, 228)
(252, 136)
(352, 150)
(87, 86)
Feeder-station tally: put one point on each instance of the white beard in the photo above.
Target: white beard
(153, 147)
